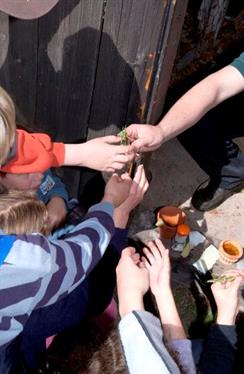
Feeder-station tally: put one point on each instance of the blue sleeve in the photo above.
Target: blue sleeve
(119, 240)
(218, 354)
(183, 351)
(52, 186)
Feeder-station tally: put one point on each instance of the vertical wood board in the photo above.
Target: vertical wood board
(126, 59)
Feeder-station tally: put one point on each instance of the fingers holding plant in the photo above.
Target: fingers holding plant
(226, 295)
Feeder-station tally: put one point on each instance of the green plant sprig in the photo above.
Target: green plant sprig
(124, 139)
(221, 278)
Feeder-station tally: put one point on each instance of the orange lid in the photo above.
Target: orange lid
(183, 229)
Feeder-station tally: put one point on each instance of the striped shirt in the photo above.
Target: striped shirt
(37, 272)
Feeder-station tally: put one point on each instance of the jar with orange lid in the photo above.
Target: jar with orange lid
(168, 217)
(181, 237)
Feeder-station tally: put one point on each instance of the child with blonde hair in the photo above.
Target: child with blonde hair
(47, 286)
(21, 212)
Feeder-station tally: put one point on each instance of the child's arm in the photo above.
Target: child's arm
(137, 191)
(37, 153)
(53, 193)
(132, 282)
(158, 265)
(41, 271)
(104, 154)
(220, 346)
(56, 212)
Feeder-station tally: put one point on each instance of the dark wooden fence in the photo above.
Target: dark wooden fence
(89, 67)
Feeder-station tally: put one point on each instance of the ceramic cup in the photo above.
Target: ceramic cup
(230, 252)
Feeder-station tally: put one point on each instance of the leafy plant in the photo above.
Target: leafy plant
(124, 140)
(124, 137)
(221, 278)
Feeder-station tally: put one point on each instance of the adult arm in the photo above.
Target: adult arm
(191, 107)
(205, 95)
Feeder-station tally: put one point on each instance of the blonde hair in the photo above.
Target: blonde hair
(22, 213)
(7, 124)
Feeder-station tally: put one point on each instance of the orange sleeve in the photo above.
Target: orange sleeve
(35, 153)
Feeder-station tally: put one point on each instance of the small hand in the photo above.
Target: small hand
(117, 189)
(56, 212)
(226, 297)
(106, 153)
(158, 265)
(132, 281)
(137, 191)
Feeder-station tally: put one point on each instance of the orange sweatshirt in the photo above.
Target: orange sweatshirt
(34, 153)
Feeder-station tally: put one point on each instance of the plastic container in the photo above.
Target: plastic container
(181, 237)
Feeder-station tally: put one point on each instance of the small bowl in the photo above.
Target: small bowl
(230, 252)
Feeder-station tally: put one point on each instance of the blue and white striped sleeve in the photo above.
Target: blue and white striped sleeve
(37, 272)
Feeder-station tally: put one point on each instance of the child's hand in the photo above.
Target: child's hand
(132, 281)
(117, 189)
(158, 265)
(137, 191)
(226, 297)
(56, 212)
(106, 154)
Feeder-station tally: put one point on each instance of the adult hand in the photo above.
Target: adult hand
(132, 281)
(226, 297)
(56, 212)
(117, 189)
(138, 188)
(145, 138)
(106, 154)
(157, 262)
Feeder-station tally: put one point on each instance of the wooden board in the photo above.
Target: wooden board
(87, 68)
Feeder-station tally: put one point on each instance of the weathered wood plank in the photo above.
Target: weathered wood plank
(67, 59)
(18, 72)
(89, 67)
(69, 37)
(170, 35)
(126, 58)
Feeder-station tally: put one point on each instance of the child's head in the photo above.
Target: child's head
(7, 124)
(109, 359)
(22, 182)
(22, 213)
